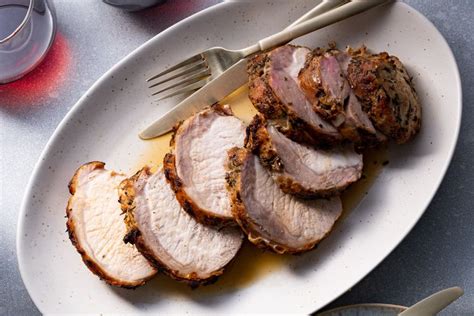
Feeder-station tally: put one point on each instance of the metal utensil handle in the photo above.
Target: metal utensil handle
(323, 7)
(343, 12)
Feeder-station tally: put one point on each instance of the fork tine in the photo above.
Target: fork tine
(198, 77)
(188, 61)
(191, 87)
(187, 71)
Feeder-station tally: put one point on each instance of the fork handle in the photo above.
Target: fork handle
(343, 12)
(323, 7)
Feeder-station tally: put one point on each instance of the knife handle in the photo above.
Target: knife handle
(315, 23)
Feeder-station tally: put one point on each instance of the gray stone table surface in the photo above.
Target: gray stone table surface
(92, 37)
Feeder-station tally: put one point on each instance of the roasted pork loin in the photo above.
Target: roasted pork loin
(279, 180)
(171, 239)
(387, 94)
(96, 228)
(271, 218)
(196, 166)
(299, 169)
(323, 79)
(274, 91)
(361, 97)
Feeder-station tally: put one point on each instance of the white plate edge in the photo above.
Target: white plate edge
(99, 81)
(451, 150)
(53, 138)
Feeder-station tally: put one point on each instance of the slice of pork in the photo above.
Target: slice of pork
(169, 237)
(302, 170)
(96, 228)
(274, 91)
(387, 94)
(271, 218)
(323, 79)
(196, 166)
(324, 84)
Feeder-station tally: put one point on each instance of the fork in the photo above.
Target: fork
(194, 72)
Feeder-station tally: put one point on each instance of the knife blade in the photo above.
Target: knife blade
(214, 91)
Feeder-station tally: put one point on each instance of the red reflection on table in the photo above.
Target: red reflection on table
(43, 81)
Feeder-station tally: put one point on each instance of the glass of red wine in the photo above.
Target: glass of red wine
(27, 29)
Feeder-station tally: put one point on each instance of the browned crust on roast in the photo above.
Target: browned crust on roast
(93, 267)
(126, 200)
(330, 108)
(237, 157)
(134, 236)
(264, 100)
(218, 108)
(202, 216)
(361, 137)
(169, 167)
(259, 142)
(289, 186)
(260, 94)
(369, 88)
(221, 109)
(322, 103)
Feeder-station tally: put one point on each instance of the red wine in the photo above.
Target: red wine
(26, 49)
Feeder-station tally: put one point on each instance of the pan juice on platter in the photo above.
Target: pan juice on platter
(251, 263)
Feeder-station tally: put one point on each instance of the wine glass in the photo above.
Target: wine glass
(27, 29)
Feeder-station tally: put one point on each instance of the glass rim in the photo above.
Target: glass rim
(21, 25)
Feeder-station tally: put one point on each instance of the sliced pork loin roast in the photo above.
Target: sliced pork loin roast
(299, 169)
(271, 218)
(323, 79)
(274, 91)
(383, 85)
(196, 166)
(168, 236)
(96, 228)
